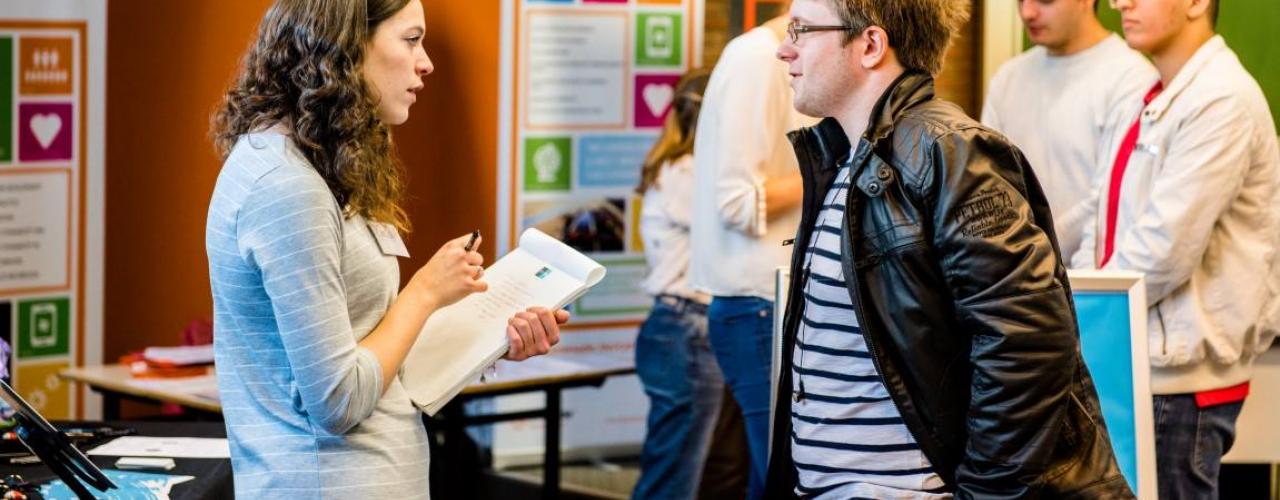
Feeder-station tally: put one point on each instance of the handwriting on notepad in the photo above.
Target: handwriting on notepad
(502, 295)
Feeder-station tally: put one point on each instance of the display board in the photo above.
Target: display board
(585, 86)
(51, 170)
(1111, 311)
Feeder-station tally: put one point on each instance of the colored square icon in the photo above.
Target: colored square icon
(46, 66)
(45, 131)
(548, 163)
(653, 97)
(6, 99)
(44, 327)
(659, 39)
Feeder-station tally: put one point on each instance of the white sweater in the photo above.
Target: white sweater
(741, 142)
(1058, 111)
(1199, 215)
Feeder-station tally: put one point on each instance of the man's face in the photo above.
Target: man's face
(824, 71)
(1053, 23)
(1150, 25)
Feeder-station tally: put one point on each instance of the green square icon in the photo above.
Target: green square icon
(44, 327)
(6, 99)
(548, 162)
(659, 39)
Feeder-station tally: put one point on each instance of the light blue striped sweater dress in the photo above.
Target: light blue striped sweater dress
(295, 286)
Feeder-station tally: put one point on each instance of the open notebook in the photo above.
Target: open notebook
(460, 341)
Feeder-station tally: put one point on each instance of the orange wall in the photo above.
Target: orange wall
(168, 65)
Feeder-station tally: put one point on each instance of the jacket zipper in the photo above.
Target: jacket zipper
(851, 278)
(795, 305)
(1164, 335)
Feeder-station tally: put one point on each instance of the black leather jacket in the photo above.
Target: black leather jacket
(954, 272)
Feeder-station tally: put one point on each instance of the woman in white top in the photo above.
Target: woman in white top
(673, 356)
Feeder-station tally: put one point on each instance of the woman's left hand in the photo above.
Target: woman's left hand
(533, 332)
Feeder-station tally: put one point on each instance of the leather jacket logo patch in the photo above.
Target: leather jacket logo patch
(990, 213)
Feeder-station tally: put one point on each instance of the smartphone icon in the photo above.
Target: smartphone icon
(659, 37)
(44, 325)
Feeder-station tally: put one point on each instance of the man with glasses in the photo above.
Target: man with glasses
(1054, 101)
(1191, 198)
(930, 346)
(747, 202)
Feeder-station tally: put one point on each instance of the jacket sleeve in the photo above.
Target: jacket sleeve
(1003, 274)
(1200, 176)
(291, 229)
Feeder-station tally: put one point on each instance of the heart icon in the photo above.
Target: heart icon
(657, 96)
(46, 128)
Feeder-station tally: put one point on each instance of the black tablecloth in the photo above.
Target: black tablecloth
(212, 476)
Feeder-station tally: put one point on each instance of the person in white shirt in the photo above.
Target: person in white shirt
(1191, 199)
(748, 201)
(673, 356)
(1054, 102)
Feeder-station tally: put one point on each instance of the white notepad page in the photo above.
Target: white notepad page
(460, 341)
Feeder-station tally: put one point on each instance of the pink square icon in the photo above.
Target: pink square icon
(653, 96)
(45, 131)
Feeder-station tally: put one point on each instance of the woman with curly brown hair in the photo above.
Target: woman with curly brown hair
(302, 239)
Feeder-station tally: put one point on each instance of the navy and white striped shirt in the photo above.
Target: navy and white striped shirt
(848, 439)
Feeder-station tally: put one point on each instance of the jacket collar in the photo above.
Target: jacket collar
(1206, 53)
(910, 89)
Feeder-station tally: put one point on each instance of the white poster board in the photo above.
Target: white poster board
(584, 88)
(52, 70)
(1111, 310)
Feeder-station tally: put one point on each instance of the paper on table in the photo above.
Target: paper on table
(182, 355)
(174, 447)
(460, 341)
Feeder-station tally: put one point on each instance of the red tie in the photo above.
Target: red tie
(1117, 175)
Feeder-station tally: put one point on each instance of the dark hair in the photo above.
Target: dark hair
(304, 71)
(920, 31)
(676, 139)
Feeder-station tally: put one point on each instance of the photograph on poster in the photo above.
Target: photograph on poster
(588, 225)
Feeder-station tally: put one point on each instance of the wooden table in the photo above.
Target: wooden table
(114, 383)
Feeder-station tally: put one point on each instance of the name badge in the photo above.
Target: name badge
(1151, 149)
(388, 239)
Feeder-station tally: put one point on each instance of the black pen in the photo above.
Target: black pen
(470, 243)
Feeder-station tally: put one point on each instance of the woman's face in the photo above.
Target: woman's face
(395, 62)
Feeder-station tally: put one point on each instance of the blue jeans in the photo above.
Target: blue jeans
(680, 376)
(1190, 443)
(742, 337)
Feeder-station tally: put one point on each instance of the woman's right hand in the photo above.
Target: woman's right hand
(451, 274)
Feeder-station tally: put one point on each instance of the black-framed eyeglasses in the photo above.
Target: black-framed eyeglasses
(794, 30)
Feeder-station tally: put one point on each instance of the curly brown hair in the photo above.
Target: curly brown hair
(304, 72)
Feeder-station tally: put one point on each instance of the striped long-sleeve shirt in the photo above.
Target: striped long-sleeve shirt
(296, 284)
(848, 439)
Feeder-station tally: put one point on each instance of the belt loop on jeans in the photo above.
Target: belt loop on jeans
(681, 304)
